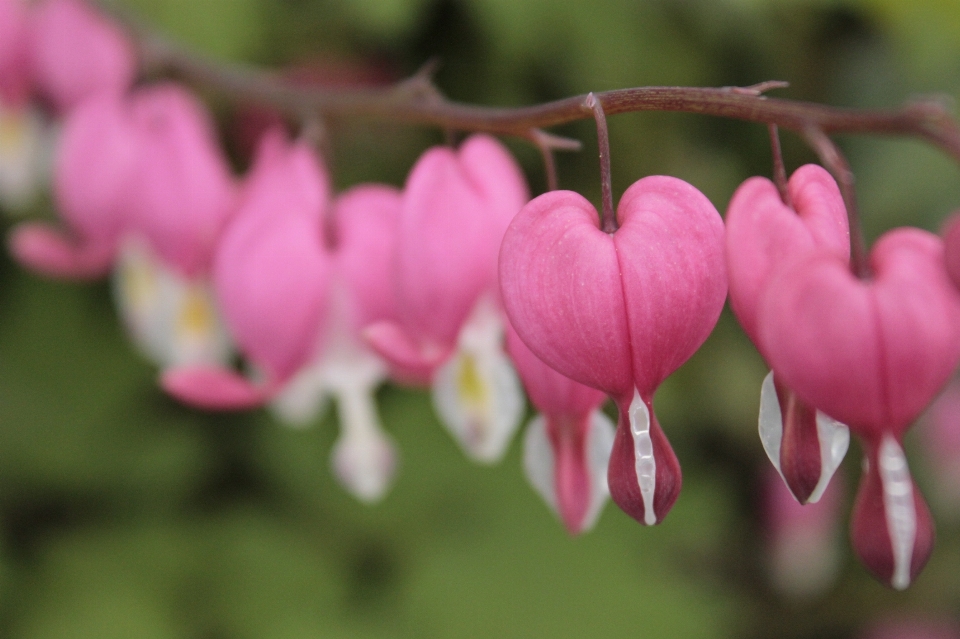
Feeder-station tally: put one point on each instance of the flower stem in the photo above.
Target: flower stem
(608, 220)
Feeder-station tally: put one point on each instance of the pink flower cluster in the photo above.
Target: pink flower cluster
(458, 281)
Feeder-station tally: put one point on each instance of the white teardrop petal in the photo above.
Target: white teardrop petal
(899, 508)
(25, 153)
(645, 464)
(302, 400)
(364, 457)
(599, 444)
(539, 462)
(771, 421)
(834, 440)
(476, 393)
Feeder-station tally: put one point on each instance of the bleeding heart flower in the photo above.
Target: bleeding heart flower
(620, 312)
(763, 234)
(92, 198)
(873, 354)
(183, 190)
(296, 286)
(77, 53)
(567, 446)
(449, 329)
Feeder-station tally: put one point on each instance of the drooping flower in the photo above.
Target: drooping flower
(567, 446)
(150, 208)
(763, 234)
(92, 198)
(449, 327)
(620, 312)
(871, 353)
(76, 53)
(802, 540)
(297, 280)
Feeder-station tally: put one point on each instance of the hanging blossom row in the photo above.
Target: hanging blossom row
(459, 282)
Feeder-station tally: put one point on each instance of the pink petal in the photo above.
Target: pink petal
(214, 388)
(49, 251)
(14, 52)
(551, 392)
(78, 53)
(872, 353)
(763, 233)
(800, 460)
(411, 361)
(624, 481)
(271, 270)
(671, 263)
(455, 208)
(560, 285)
(93, 197)
(572, 479)
(888, 520)
(366, 219)
(184, 192)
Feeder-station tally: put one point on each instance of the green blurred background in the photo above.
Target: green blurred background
(124, 514)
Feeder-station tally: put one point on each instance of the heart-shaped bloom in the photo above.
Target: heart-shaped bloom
(567, 445)
(297, 282)
(763, 234)
(449, 328)
(871, 353)
(620, 312)
(75, 53)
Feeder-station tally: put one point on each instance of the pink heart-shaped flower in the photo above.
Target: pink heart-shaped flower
(873, 353)
(620, 312)
(763, 233)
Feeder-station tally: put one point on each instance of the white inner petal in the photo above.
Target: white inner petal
(645, 464)
(539, 462)
(834, 440)
(174, 321)
(364, 457)
(833, 437)
(771, 421)
(476, 393)
(599, 445)
(899, 508)
(25, 142)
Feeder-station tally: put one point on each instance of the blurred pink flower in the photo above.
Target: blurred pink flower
(449, 326)
(567, 446)
(76, 53)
